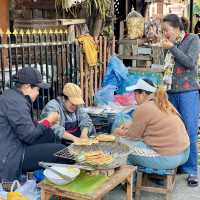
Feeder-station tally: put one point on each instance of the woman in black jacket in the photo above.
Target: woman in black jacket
(23, 143)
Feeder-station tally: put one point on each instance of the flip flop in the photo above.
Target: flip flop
(192, 181)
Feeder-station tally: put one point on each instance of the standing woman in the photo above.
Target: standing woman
(181, 80)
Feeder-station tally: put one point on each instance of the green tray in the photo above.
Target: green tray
(83, 184)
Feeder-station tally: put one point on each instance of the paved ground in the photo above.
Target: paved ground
(181, 192)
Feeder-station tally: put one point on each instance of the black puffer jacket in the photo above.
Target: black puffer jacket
(17, 130)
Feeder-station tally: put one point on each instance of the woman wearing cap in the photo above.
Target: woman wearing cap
(23, 142)
(182, 57)
(74, 123)
(157, 135)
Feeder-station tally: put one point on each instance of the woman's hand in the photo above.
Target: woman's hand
(71, 137)
(84, 133)
(166, 44)
(76, 139)
(125, 125)
(119, 132)
(84, 136)
(53, 118)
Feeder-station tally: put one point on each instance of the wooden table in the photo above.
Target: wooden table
(123, 175)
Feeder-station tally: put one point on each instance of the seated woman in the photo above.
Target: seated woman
(157, 135)
(23, 142)
(74, 123)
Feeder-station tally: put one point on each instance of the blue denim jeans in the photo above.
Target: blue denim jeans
(158, 162)
(187, 104)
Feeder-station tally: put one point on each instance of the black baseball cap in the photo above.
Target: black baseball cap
(32, 76)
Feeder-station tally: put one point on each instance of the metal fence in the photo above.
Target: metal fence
(58, 60)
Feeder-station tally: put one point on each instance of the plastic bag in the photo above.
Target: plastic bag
(116, 73)
(126, 99)
(3, 193)
(28, 190)
(135, 25)
(105, 95)
(16, 196)
(38, 175)
(120, 119)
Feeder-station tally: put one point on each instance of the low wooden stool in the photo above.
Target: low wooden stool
(123, 174)
(142, 183)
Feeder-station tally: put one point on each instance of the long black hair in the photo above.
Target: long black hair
(176, 22)
(197, 28)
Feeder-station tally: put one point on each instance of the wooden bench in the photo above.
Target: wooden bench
(143, 184)
(123, 174)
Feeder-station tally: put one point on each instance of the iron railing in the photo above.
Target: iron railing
(58, 60)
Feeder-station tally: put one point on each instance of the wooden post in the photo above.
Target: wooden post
(4, 25)
(4, 15)
(126, 7)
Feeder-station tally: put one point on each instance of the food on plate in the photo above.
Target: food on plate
(86, 142)
(105, 138)
(98, 158)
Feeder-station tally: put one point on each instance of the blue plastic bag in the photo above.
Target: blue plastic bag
(39, 175)
(116, 73)
(105, 95)
(120, 119)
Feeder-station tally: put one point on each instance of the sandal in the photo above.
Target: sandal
(192, 181)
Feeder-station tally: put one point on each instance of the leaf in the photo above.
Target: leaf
(198, 3)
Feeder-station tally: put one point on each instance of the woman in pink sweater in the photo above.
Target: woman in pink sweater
(157, 135)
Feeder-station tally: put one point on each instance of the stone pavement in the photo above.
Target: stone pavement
(181, 192)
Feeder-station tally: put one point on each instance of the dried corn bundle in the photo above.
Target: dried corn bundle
(135, 25)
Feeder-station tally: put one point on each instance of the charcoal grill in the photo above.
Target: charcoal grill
(117, 150)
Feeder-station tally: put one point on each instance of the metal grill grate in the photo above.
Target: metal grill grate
(117, 150)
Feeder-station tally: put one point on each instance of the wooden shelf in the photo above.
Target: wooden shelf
(136, 57)
(144, 69)
(131, 41)
(38, 23)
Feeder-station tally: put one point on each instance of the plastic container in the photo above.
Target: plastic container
(135, 25)
(71, 172)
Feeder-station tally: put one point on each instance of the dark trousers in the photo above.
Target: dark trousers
(43, 149)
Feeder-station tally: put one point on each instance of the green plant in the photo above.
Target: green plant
(102, 6)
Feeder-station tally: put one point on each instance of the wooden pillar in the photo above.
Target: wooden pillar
(4, 25)
(4, 15)
(126, 7)
(160, 8)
